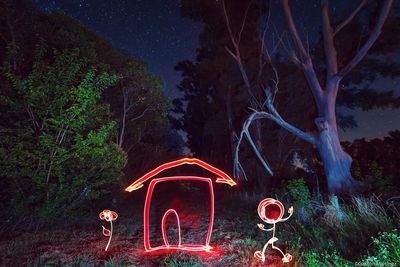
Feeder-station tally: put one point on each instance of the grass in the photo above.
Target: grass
(341, 235)
(362, 232)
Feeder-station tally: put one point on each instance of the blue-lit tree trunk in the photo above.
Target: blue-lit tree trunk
(336, 161)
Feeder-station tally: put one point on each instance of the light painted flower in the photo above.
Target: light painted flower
(109, 216)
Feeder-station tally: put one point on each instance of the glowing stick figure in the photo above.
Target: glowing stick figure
(271, 211)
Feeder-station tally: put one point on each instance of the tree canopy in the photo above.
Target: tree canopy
(65, 140)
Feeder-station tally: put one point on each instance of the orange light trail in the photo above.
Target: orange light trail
(222, 176)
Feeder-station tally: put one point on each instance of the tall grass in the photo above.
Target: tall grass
(338, 234)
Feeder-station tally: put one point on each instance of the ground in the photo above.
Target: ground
(235, 239)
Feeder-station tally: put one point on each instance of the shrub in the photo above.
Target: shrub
(57, 154)
(316, 259)
(299, 197)
(387, 246)
(299, 192)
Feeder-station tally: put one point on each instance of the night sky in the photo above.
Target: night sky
(154, 31)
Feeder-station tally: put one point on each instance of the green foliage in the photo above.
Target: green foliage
(56, 152)
(63, 139)
(387, 246)
(316, 259)
(330, 239)
(300, 197)
(299, 192)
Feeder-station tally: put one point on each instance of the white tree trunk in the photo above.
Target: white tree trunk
(336, 161)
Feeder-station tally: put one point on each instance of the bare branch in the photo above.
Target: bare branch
(243, 23)
(295, 59)
(304, 62)
(228, 25)
(245, 132)
(349, 18)
(329, 46)
(277, 119)
(371, 39)
(293, 30)
(141, 115)
(230, 52)
(236, 55)
(261, 62)
(264, 51)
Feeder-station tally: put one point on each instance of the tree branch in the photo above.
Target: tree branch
(277, 119)
(371, 39)
(141, 115)
(230, 52)
(304, 62)
(236, 55)
(228, 25)
(329, 46)
(274, 116)
(243, 23)
(237, 167)
(349, 18)
(294, 33)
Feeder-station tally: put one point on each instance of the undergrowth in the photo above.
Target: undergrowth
(331, 234)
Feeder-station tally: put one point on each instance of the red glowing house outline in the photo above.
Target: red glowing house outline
(222, 177)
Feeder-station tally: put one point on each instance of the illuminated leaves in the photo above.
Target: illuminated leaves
(58, 138)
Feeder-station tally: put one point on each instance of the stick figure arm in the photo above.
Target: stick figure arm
(290, 211)
(261, 226)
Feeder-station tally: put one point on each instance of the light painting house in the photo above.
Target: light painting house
(221, 177)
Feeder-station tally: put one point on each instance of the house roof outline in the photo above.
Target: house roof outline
(222, 177)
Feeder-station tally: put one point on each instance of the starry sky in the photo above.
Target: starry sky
(152, 30)
(155, 31)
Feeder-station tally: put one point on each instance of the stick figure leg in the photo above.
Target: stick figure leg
(261, 254)
(286, 257)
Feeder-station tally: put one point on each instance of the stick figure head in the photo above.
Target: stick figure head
(271, 210)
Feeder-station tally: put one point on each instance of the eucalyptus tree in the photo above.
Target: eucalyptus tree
(324, 89)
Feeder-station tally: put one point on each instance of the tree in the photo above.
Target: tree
(216, 100)
(213, 89)
(141, 96)
(51, 150)
(56, 150)
(336, 161)
(141, 107)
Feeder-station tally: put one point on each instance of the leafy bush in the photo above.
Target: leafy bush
(56, 152)
(316, 259)
(387, 246)
(300, 197)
